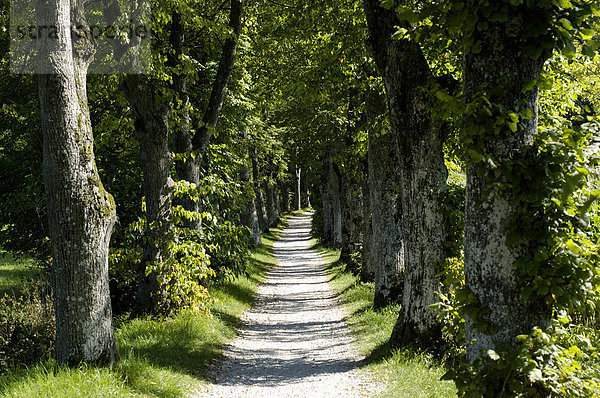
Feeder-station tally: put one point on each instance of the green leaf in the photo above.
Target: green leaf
(443, 96)
(475, 156)
(587, 34)
(401, 33)
(564, 3)
(387, 4)
(536, 375)
(566, 24)
(493, 355)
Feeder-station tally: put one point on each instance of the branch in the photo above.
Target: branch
(217, 95)
(382, 24)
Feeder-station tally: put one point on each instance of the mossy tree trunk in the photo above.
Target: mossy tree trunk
(367, 270)
(489, 262)
(297, 187)
(272, 213)
(352, 213)
(422, 173)
(285, 196)
(326, 205)
(387, 248)
(81, 214)
(249, 217)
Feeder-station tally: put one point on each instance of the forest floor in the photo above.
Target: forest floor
(294, 342)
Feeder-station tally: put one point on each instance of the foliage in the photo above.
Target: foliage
(27, 327)
(160, 357)
(197, 256)
(554, 361)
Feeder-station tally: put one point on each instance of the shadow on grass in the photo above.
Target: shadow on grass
(238, 292)
(381, 353)
(180, 344)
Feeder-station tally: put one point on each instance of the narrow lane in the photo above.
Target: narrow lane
(295, 342)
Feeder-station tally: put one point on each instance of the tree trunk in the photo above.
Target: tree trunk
(351, 223)
(272, 215)
(305, 193)
(188, 169)
(183, 142)
(387, 241)
(263, 219)
(367, 270)
(249, 216)
(490, 274)
(327, 212)
(152, 131)
(202, 137)
(81, 214)
(298, 189)
(285, 197)
(422, 172)
(334, 189)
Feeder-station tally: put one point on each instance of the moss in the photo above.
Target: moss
(110, 208)
(86, 152)
(79, 134)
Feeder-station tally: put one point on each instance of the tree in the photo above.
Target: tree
(151, 112)
(421, 171)
(81, 214)
(186, 141)
(502, 66)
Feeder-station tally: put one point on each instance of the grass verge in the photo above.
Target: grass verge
(404, 372)
(160, 358)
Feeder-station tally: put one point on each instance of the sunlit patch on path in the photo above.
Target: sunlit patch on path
(295, 342)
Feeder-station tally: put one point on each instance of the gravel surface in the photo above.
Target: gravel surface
(294, 342)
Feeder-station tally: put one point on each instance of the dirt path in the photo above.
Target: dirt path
(295, 342)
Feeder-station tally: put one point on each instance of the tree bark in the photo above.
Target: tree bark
(285, 197)
(387, 245)
(272, 215)
(334, 189)
(263, 219)
(249, 216)
(202, 137)
(298, 188)
(490, 274)
(152, 132)
(352, 213)
(422, 173)
(81, 214)
(187, 169)
(327, 212)
(183, 141)
(367, 270)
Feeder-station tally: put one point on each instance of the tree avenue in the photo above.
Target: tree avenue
(448, 149)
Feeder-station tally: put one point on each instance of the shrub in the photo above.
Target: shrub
(27, 327)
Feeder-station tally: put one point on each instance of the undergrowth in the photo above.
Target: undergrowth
(163, 358)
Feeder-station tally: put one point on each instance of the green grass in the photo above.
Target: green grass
(404, 372)
(15, 273)
(160, 358)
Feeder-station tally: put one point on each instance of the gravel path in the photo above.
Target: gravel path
(295, 342)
